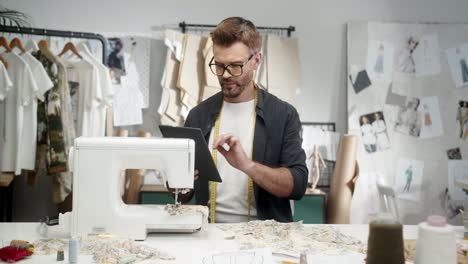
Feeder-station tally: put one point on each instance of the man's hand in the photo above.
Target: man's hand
(235, 153)
(195, 177)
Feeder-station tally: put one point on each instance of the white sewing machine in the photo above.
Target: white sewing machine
(97, 164)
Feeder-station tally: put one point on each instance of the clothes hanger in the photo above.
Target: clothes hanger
(31, 45)
(16, 43)
(4, 43)
(70, 47)
(43, 44)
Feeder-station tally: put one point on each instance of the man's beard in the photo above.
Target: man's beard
(233, 90)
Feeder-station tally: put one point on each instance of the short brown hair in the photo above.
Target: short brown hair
(236, 29)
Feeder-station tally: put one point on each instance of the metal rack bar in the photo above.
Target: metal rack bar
(57, 33)
(183, 26)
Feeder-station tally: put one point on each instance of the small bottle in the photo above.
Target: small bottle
(73, 249)
(303, 258)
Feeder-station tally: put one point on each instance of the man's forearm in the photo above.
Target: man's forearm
(277, 181)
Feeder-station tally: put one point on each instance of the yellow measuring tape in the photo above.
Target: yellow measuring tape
(214, 154)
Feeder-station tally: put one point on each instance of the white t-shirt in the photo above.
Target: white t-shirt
(232, 193)
(5, 85)
(87, 103)
(128, 104)
(17, 100)
(104, 75)
(5, 82)
(26, 157)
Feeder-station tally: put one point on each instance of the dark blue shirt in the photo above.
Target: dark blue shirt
(277, 143)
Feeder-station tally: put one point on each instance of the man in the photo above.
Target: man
(255, 136)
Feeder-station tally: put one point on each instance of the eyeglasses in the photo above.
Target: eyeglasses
(235, 69)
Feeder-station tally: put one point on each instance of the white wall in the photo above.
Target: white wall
(320, 26)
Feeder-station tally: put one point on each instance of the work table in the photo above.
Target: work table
(182, 246)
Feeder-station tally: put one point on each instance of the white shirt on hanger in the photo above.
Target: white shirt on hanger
(5, 86)
(232, 193)
(104, 75)
(88, 101)
(5, 82)
(18, 98)
(26, 157)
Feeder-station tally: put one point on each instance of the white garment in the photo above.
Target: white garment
(88, 104)
(232, 193)
(20, 95)
(105, 83)
(368, 136)
(128, 104)
(5, 86)
(103, 71)
(5, 82)
(26, 156)
(380, 130)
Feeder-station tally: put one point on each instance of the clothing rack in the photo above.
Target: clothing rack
(57, 33)
(183, 26)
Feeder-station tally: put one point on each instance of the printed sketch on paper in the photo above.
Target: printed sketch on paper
(406, 63)
(458, 179)
(374, 132)
(462, 120)
(457, 59)
(380, 60)
(454, 154)
(427, 56)
(408, 179)
(431, 123)
(408, 120)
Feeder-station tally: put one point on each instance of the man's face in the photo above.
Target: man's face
(236, 54)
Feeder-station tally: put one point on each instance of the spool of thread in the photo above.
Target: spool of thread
(436, 242)
(60, 255)
(73, 250)
(385, 243)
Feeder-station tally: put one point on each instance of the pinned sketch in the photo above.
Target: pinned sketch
(427, 56)
(408, 120)
(380, 60)
(406, 63)
(257, 256)
(462, 119)
(454, 154)
(374, 132)
(431, 123)
(458, 179)
(359, 78)
(408, 179)
(457, 59)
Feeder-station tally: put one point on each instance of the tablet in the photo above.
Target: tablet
(203, 160)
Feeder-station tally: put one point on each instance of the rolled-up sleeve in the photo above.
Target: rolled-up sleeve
(293, 156)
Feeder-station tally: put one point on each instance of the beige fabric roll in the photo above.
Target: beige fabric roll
(283, 68)
(341, 190)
